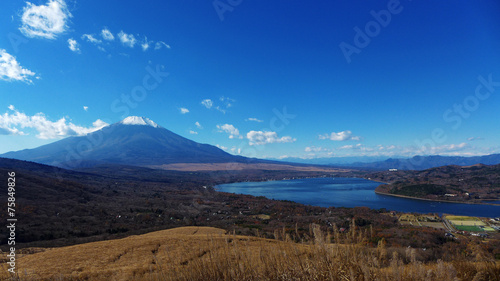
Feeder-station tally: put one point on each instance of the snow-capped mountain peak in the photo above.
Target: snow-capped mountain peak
(136, 120)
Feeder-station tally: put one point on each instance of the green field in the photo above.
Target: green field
(469, 228)
(462, 218)
(465, 223)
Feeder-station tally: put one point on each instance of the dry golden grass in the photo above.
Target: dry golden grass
(121, 259)
(204, 253)
(468, 223)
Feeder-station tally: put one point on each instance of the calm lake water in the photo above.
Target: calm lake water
(350, 192)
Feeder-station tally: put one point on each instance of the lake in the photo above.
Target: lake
(350, 192)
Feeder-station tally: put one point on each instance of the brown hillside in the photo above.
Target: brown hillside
(206, 253)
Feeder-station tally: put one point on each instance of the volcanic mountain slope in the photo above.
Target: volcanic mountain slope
(133, 141)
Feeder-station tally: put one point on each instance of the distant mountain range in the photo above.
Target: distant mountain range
(426, 162)
(414, 163)
(134, 141)
(138, 141)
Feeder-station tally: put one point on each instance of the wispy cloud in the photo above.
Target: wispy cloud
(45, 21)
(236, 150)
(221, 147)
(356, 146)
(90, 38)
(161, 44)
(227, 102)
(474, 138)
(107, 35)
(254, 120)
(220, 109)
(73, 45)
(86, 108)
(193, 132)
(315, 149)
(11, 70)
(220, 105)
(146, 44)
(198, 125)
(265, 137)
(208, 103)
(127, 39)
(14, 123)
(443, 149)
(183, 110)
(340, 136)
(231, 130)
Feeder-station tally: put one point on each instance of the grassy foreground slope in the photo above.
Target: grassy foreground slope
(207, 253)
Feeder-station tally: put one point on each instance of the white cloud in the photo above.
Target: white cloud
(236, 150)
(220, 109)
(161, 44)
(91, 38)
(198, 125)
(357, 147)
(11, 107)
(86, 108)
(222, 104)
(193, 132)
(390, 147)
(340, 136)
(474, 138)
(231, 130)
(315, 149)
(145, 44)
(228, 102)
(10, 70)
(183, 110)
(46, 129)
(221, 147)
(127, 39)
(45, 21)
(348, 146)
(443, 149)
(99, 124)
(254, 120)
(107, 35)
(260, 138)
(73, 45)
(208, 103)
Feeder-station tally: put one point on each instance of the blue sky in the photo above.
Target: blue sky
(270, 80)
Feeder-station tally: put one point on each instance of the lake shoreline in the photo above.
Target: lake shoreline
(350, 193)
(434, 200)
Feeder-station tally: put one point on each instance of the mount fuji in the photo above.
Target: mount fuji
(136, 141)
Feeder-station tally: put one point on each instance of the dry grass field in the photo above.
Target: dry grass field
(206, 253)
(465, 221)
(437, 225)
